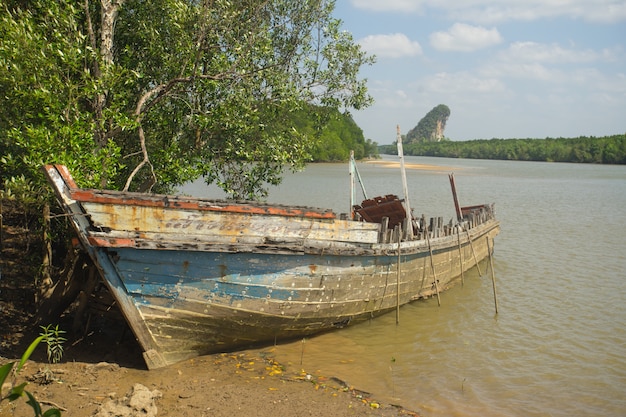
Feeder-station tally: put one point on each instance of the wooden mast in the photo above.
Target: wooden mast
(459, 215)
(407, 205)
(354, 171)
(351, 171)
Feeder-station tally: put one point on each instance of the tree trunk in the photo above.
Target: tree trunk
(109, 10)
(83, 299)
(60, 296)
(44, 289)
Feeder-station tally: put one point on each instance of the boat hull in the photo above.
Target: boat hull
(193, 277)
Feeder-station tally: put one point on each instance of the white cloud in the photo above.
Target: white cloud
(552, 53)
(495, 11)
(536, 52)
(394, 99)
(388, 5)
(466, 38)
(462, 82)
(549, 63)
(523, 70)
(396, 45)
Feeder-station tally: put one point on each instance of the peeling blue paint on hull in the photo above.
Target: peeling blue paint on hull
(234, 300)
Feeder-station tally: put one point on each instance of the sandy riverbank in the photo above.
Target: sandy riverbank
(238, 384)
(424, 167)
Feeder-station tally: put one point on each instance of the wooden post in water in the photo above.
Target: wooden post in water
(459, 218)
(493, 276)
(398, 277)
(432, 267)
(460, 256)
(473, 252)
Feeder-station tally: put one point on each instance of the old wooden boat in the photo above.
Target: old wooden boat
(195, 276)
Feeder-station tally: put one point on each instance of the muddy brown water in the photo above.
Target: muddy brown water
(557, 346)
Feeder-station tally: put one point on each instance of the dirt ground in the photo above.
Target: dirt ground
(102, 373)
(237, 384)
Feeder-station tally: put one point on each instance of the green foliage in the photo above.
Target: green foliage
(335, 137)
(18, 391)
(184, 89)
(22, 190)
(44, 91)
(583, 149)
(430, 128)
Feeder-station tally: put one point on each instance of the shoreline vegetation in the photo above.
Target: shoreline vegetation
(583, 149)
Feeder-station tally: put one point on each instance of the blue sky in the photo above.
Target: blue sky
(505, 68)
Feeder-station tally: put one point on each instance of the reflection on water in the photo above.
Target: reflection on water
(557, 346)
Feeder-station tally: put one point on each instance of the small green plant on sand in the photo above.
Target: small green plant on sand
(54, 341)
(54, 344)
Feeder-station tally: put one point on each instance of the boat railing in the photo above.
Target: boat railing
(435, 227)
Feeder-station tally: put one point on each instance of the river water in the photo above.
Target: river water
(557, 346)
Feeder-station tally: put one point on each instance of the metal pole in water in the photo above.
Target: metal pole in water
(493, 276)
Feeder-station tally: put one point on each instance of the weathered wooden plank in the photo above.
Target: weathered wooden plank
(120, 199)
(207, 224)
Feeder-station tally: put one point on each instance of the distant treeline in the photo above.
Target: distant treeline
(597, 150)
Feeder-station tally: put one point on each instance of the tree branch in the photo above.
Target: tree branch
(144, 161)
